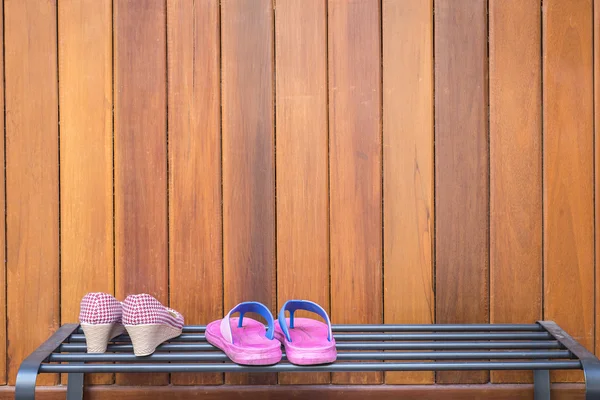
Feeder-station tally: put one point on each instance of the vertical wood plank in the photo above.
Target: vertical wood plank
(461, 169)
(31, 178)
(355, 166)
(569, 170)
(86, 181)
(408, 168)
(140, 155)
(515, 167)
(195, 166)
(597, 160)
(248, 159)
(302, 164)
(2, 224)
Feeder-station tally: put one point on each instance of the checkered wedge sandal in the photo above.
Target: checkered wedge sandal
(100, 319)
(149, 323)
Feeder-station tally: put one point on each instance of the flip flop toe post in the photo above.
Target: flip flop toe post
(306, 341)
(244, 340)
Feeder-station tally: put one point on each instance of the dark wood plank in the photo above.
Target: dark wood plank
(515, 167)
(302, 187)
(86, 158)
(195, 224)
(248, 159)
(408, 168)
(461, 168)
(355, 167)
(32, 230)
(318, 392)
(568, 100)
(140, 155)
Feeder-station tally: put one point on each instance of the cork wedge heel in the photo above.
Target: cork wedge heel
(146, 337)
(149, 323)
(97, 336)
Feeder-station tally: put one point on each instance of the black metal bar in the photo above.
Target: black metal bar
(541, 384)
(437, 328)
(589, 362)
(190, 337)
(409, 328)
(444, 336)
(28, 371)
(552, 344)
(218, 356)
(335, 367)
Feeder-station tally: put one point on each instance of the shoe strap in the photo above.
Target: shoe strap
(243, 308)
(307, 305)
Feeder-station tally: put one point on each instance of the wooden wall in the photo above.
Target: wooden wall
(397, 161)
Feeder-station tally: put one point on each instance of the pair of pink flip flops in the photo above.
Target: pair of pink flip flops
(246, 341)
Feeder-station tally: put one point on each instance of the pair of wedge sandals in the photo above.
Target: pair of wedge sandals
(246, 341)
(148, 322)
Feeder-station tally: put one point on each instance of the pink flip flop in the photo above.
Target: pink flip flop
(308, 341)
(245, 340)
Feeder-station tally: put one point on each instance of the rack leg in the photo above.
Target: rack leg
(541, 385)
(25, 387)
(591, 370)
(75, 387)
(28, 371)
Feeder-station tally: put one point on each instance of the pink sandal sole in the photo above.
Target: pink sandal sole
(309, 345)
(249, 347)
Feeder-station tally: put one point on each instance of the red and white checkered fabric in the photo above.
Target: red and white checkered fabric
(99, 308)
(141, 309)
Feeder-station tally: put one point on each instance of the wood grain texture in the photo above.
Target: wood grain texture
(355, 167)
(318, 392)
(408, 168)
(31, 178)
(597, 160)
(461, 168)
(302, 162)
(515, 167)
(248, 159)
(569, 170)
(140, 155)
(86, 181)
(195, 224)
(3, 233)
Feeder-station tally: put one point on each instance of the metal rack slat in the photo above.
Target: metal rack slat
(335, 367)
(344, 356)
(410, 328)
(189, 337)
(175, 347)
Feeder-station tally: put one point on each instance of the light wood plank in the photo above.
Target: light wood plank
(86, 181)
(515, 167)
(597, 160)
(355, 167)
(568, 99)
(408, 168)
(302, 164)
(31, 178)
(3, 233)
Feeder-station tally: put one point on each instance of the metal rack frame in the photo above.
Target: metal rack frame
(539, 347)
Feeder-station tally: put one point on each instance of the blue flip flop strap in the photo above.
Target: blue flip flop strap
(246, 307)
(292, 306)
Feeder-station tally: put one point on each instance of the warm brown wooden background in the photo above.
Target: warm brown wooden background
(392, 163)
